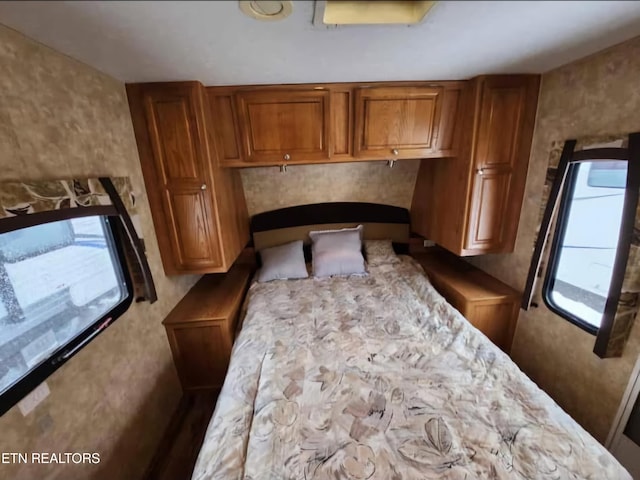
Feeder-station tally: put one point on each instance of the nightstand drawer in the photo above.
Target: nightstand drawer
(202, 327)
(201, 353)
(495, 319)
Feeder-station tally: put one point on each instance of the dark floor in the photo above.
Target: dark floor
(178, 450)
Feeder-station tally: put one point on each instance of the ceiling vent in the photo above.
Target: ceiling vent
(266, 9)
(378, 12)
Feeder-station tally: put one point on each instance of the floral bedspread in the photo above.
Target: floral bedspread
(378, 377)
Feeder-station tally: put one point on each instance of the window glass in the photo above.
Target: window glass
(580, 281)
(56, 280)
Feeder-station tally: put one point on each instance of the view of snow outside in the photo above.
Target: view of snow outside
(590, 242)
(61, 279)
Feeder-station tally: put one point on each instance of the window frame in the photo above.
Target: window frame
(631, 154)
(64, 353)
(562, 220)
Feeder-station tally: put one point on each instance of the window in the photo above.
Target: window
(61, 283)
(586, 241)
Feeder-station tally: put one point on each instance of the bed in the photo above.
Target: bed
(378, 377)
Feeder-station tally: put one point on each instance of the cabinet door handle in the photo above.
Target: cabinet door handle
(480, 171)
(395, 151)
(287, 156)
(203, 186)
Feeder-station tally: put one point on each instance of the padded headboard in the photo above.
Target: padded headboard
(284, 225)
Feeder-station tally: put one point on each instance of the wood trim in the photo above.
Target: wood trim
(232, 218)
(468, 153)
(210, 160)
(448, 135)
(276, 163)
(156, 202)
(337, 123)
(216, 96)
(342, 85)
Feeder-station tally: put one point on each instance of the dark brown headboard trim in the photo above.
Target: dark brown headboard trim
(337, 212)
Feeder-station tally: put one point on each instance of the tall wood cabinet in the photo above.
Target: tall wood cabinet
(471, 204)
(198, 208)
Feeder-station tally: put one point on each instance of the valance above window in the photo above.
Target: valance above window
(110, 196)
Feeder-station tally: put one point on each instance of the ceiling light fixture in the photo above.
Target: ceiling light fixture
(377, 12)
(267, 10)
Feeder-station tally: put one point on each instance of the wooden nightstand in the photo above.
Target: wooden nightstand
(489, 305)
(202, 328)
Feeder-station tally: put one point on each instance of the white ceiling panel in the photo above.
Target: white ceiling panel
(215, 43)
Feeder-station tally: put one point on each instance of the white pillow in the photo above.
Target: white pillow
(337, 252)
(282, 262)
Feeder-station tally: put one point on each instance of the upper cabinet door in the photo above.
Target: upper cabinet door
(499, 160)
(397, 122)
(284, 126)
(180, 155)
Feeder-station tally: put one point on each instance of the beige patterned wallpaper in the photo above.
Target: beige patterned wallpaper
(267, 189)
(60, 118)
(598, 95)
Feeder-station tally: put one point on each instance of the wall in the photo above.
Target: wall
(595, 96)
(60, 119)
(267, 189)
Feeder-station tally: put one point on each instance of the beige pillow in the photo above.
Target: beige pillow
(380, 252)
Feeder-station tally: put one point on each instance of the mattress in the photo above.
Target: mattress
(378, 377)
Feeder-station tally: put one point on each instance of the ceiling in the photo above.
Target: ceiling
(215, 43)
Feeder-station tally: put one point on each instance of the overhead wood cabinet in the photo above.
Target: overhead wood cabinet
(405, 121)
(471, 205)
(284, 126)
(198, 208)
(302, 124)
